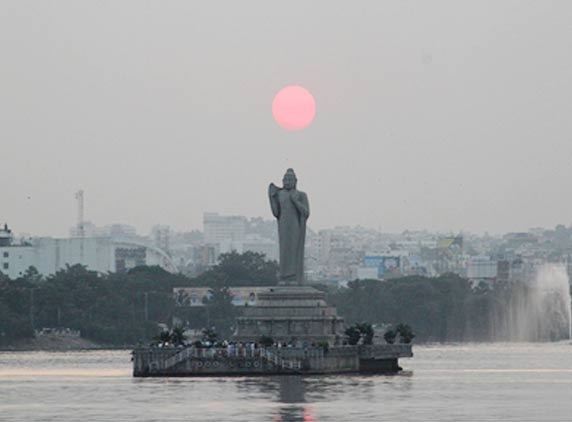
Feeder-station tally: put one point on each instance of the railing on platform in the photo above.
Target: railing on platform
(278, 361)
(288, 358)
(184, 354)
(162, 360)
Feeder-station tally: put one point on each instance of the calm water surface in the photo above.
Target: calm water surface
(510, 382)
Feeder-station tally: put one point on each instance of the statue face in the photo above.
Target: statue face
(289, 181)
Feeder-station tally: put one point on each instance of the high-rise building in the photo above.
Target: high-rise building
(228, 232)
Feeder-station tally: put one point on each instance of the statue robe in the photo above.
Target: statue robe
(292, 215)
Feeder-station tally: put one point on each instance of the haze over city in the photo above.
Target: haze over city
(256, 210)
(442, 115)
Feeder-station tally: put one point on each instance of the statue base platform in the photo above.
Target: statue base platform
(293, 314)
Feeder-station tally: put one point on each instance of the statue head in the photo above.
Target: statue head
(289, 181)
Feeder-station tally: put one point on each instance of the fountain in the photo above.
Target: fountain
(539, 309)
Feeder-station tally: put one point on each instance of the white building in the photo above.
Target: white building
(256, 243)
(228, 232)
(101, 254)
(481, 268)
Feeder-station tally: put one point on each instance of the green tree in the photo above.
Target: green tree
(31, 276)
(360, 332)
(266, 341)
(405, 333)
(164, 337)
(246, 269)
(221, 312)
(15, 323)
(441, 308)
(353, 335)
(119, 309)
(390, 336)
(366, 331)
(178, 336)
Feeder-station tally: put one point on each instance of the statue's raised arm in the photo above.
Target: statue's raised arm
(292, 209)
(273, 196)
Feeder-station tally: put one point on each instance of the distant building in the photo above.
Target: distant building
(255, 243)
(219, 228)
(118, 230)
(380, 266)
(101, 254)
(14, 258)
(519, 239)
(323, 245)
(205, 255)
(367, 273)
(518, 270)
(503, 271)
(161, 237)
(482, 268)
(110, 230)
(448, 256)
(196, 296)
(6, 236)
(451, 242)
(228, 232)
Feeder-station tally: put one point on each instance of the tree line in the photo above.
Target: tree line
(444, 308)
(123, 309)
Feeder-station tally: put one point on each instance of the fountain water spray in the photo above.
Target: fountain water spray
(539, 309)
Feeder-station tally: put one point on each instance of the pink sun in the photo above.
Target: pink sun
(294, 107)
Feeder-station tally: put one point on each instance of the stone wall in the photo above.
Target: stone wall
(217, 361)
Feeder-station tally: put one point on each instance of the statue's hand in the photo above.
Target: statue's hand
(295, 195)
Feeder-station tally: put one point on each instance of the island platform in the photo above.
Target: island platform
(196, 362)
(291, 313)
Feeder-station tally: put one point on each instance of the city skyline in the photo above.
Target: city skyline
(103, 228)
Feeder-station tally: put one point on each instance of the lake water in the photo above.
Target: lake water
(467, 382)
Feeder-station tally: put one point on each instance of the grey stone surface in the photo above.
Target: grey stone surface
(292, 314)
(292, 209)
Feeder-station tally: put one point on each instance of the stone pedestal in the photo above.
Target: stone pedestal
(292, 314)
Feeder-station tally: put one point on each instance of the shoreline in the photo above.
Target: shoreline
(54, 343)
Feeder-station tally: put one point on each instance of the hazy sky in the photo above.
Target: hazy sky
(445, 115)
